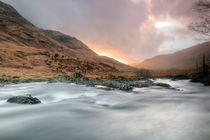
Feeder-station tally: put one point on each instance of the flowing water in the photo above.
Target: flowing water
(76, 112)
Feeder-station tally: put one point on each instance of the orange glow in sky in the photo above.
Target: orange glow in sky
(105, 54)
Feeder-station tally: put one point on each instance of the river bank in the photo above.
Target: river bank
(120, 83)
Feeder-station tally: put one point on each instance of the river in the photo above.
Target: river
(77, 112)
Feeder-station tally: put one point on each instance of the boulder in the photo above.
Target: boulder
(180, 77)
(141, 84)
(24, 100)
(118, 85)
(148, 83)
(162, 85)
(125, 87)
(201, 78)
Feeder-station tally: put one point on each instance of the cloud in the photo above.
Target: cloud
(121, 28)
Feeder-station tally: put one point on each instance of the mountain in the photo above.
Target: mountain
(181, 60)
(76, 47)
(80, 50)
(26, 50)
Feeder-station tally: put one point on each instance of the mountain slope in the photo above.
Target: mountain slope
(28, 50)
(181, 60)
(77, 48)
(80, 50)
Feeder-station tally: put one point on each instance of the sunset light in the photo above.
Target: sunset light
(107, 55)
(161, 24)
(104, 69)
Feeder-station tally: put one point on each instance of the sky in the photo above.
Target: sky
(127, 30)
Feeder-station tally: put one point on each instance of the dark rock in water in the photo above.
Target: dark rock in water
(118, 85)
(141, 84)
(201, 78)
(65, 79)
(91, 83)
(127, 86)
(162, 85)
(181, 77)
(24, 100)
(177, 77)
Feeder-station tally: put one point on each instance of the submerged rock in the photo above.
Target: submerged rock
(24, 100)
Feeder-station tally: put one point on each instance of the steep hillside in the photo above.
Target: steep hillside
(15, 29)
(80, 50)
(76, 47)
(181, 60)
(26, 50)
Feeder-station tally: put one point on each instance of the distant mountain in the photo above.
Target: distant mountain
(181, 60)
(37, 51)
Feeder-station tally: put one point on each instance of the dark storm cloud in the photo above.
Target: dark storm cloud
(120, 28)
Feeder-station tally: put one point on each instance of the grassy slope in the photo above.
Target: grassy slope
(28, 52)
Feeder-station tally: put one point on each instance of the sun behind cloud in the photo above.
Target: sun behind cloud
(162, 24)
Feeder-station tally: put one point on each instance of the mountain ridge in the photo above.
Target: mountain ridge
(180, 60)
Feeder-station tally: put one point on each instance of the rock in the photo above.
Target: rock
(125, 87)
(162, 85)
(77, 75)
(91, 83)
(118, 85)
(141, 84)
(177, 77)
(201, 78)
(24, 100)
(148, 83)
(64, 79)
(180, 77)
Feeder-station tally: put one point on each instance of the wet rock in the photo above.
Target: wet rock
(91, 83)
(24, 100)
(118, 85)
(125, 87)
(65, 79)
(141, 84)
(180, 77)
(201, 78)
(177, 77)
(148, 83)
(162, 85)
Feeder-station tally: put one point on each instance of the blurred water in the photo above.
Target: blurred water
(75, 112)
